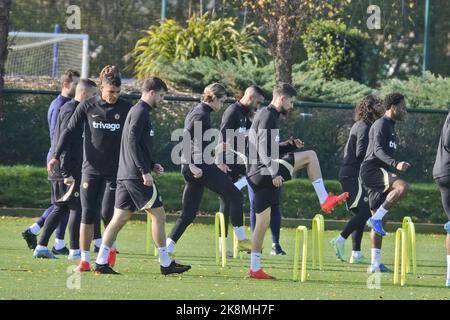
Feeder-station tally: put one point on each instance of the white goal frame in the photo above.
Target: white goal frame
(53, 37)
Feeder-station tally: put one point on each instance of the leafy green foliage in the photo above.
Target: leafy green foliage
(430, 91)
(336, 50)
(195, 74)
(202, 37)
(26, 186)
(312, 86)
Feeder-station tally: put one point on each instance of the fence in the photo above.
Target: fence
(324, 127)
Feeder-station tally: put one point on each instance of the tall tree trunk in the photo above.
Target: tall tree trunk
(283, 59)
(5, 7)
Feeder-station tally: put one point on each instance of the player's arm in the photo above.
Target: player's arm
(66, 165)
(137, 124)
(75, 122)
(288, 146)
(230, 121)
(195, 144)
(264, 145)
(53, 122)
(362, 142)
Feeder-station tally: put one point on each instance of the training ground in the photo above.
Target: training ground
(22, 277)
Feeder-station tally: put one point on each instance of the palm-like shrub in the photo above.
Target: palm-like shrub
(202, 37)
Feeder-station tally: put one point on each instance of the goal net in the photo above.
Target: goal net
(47, 54)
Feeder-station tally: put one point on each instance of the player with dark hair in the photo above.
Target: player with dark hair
(199, 172)
(103, 117)
(69, 80)
(368, 109)
(67, 173)
(136, 189)
(236, 121)
(272, 162)
(384, 188)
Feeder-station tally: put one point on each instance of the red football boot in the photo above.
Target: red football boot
(332, 201)
(83, 267)
(112, 257)
(260, 274)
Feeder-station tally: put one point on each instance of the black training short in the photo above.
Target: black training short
(91, 193)
(237, 171)
(357, 195)
(377, 182)
(133, 195)
(62, 193)
(264, 190)
(59, 189)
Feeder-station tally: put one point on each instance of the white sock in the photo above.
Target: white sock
(103, 253)
(322, 194)
(376, 257)
(35, 229)
(340, 239)
(85, 256)
(74, 252)
(114, 245)
(220, 243)
(39, 247)
(98, 242)
(170, 245)
(448, 266)
(255, 261)
(240, 232)
(380, 213)
(164, 258)
(356, 254)
(59, 244)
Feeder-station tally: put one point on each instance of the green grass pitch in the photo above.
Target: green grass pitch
(22, 277)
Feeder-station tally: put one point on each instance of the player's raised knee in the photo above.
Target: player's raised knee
(403, 187)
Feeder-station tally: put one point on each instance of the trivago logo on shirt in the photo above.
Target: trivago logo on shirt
(106, 126)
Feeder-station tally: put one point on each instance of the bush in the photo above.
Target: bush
(202, 37)
(312, 86)
(334, 49)
(430, 91)
(195, 74)
(24, 135)
(25, 186)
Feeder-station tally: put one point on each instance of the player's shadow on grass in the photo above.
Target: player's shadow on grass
(191, 275)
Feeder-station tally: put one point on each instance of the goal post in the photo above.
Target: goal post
(31, 53)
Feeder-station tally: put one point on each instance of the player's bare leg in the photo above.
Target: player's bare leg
(309, 160)
(261, 226)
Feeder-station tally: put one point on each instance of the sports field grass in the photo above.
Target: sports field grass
(22, 277)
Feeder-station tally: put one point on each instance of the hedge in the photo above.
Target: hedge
(27, 186)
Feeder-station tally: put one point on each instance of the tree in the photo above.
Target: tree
(5, 6)
(285, 20)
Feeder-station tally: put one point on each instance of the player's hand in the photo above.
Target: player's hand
(148, 179)
(277, 181)
(51, 165)
(403, 166)
(69, 181)
(158, 169)
(196, 171)
(224, 168)
(297, 142)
